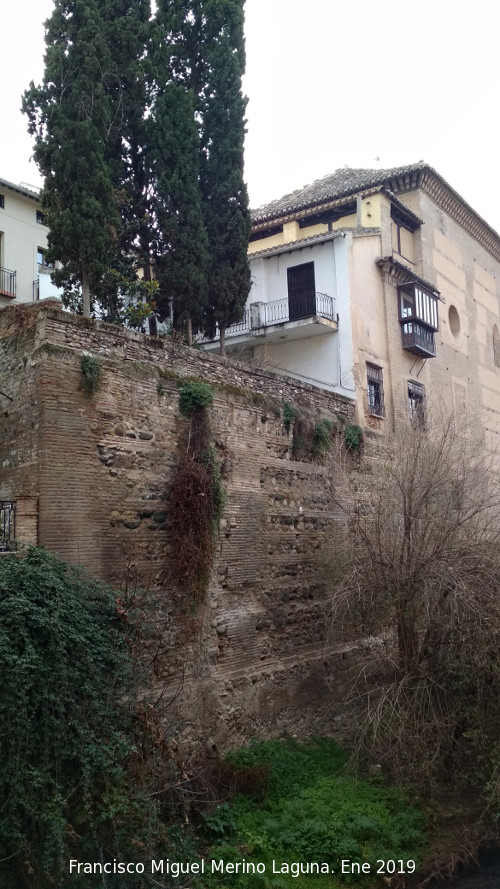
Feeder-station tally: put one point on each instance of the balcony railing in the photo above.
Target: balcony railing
(7, 283)
(259, 315)
(7, 526)
(419, 339)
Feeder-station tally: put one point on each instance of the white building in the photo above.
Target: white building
(24, 272)
(383, 286)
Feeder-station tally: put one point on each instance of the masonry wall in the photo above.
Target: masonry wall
(257, 654)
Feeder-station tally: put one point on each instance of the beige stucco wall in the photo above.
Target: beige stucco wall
(20, 237)
(463, 376)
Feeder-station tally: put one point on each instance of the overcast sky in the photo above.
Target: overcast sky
(331, 84)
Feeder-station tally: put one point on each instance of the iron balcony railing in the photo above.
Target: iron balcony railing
(7, 525)
(258, 316)
(7, 282)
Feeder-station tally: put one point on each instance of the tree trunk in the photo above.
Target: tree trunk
(189, 330)
(222, 341)
(85, 292)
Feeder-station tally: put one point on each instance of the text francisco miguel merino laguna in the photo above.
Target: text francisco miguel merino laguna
(211, 865)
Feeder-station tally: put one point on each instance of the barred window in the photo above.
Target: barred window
(416, 396)
(40, 217)
(7, 525)
(375, 390)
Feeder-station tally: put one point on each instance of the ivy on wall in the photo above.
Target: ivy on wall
(197, 497)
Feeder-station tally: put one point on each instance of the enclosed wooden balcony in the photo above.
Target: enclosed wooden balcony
(418, 315)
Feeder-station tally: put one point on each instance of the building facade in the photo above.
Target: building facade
(25, 275)
(383, 286)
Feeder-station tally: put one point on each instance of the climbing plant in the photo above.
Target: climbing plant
(197, 496)
(67, 738)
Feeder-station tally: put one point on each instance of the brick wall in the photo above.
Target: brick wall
(257, 654)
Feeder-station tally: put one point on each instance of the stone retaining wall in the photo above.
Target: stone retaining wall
(257, 655)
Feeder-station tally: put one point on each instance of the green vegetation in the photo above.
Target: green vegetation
(289, 414)
(353, 436)
(312, 437)
(322, 439)
(85, 771)
(300, 805)
(91, 369)
(69, 118)
(138, 130)
(67, 737)
(194, 395)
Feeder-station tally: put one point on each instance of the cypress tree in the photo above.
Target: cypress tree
(127, 30)
(69, 116)
(182, 240)
(225, 197)
(205, 44)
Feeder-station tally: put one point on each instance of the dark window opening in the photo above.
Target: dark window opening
(40, 217)
(2, 201)
(375, 390)
(327, 216)
(301, 291)
(7, 525)
(416, 395)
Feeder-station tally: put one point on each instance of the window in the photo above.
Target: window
(301, 291)
(2, 201)
(40, 217)
(402, 234)
(41, 259)
(418, 314)
(375, 390)
(416, 394)
(7, 525)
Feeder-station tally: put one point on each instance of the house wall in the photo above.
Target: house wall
(325, 360)
(20, 237)
(256, 654)
(462, 377)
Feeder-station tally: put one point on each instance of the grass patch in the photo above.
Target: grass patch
(310, 810)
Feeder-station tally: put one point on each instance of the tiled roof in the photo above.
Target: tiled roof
(21, 189)
(336, 188)
(343, 182)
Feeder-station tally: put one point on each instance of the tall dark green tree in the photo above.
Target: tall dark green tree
(127, 30)
(70, 117)
(182, 243)
(205, 44)
(224, 193)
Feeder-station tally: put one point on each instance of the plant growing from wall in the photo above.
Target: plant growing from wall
(289, 414)
(91, 369)
(312, 437)
(194, 395)
(322, 439)
(197, 497)
(353, 436)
